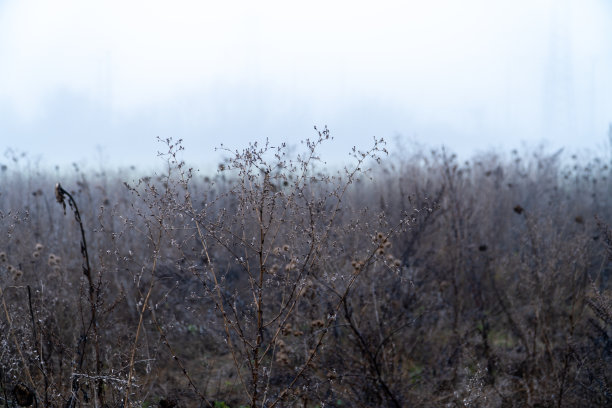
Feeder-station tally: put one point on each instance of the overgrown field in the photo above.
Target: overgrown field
(405, 279)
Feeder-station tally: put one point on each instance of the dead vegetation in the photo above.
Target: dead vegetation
(404, 279)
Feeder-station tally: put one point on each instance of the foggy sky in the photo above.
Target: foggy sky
(98, 81)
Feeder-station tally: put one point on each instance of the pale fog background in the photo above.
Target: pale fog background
(97, 82)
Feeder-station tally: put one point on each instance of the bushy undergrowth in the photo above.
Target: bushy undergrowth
(405, 279)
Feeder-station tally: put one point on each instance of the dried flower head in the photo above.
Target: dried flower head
(59, 195)
(17, 273)
(56, 271)
(317, 323)
(357, 265)
(286, 248)
(35, 255)
(39, 247)
(282, 358)
(3, 257)
(291, 265)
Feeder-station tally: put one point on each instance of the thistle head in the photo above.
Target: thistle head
(59, 196)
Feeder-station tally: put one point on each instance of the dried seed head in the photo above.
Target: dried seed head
(3, 257)
(35, 255)
(39, 247)
(10, 268)
(286, 248)
(317, 323)
(282, 358)
(380, 236)
(397, 263)
(518, 209)
(17, 273)
(291, 265)
(380, 251)
(59, 196)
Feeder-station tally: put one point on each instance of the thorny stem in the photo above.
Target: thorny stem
(60, 195)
